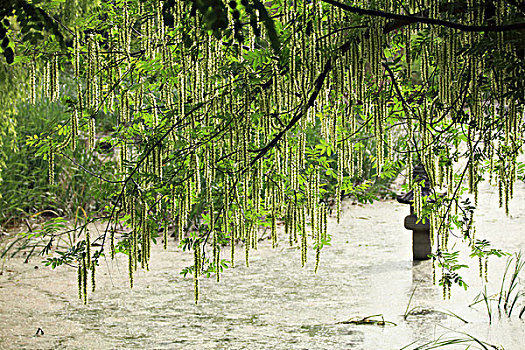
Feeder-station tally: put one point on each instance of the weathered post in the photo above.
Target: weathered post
(421, 246)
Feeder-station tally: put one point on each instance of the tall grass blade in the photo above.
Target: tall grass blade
(502, 288)
(408, 305)
(487, 304)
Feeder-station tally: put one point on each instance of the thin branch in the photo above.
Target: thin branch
(89, 171)
(301, 113)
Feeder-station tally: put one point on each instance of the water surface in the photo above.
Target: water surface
(273, 304)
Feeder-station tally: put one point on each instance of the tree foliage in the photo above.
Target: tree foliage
(230, 116)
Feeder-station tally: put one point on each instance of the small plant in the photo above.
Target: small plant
(510, 295)
(376, 320)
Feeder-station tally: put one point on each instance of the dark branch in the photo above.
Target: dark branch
(408, 19)
(449, 8)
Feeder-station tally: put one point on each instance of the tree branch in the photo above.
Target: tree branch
(302, 112)
(408, 19)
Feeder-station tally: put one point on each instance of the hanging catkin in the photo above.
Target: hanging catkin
(197, 260)
(32, 78)
(91, 131)
(304, 237)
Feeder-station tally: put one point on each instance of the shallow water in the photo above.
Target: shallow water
(273, 304)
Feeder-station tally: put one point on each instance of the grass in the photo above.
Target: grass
(510, 295)
(506, 296)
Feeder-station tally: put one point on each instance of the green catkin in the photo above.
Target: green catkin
(500, 186)
(93, 285)
(56, 82)
(317, 257)
(297, 223)
(88, 247)
(126, 37)
(84, 277)
(76, 63)
(217, 256)
(315, 214)
(304, 241)
(173, 203)
(359, 167)
(165, 235)
(444, 284)
(178, 222)
(409, 167)
(254, 236)
(274, 228)
(91, 140)
(74, 129)
(90, 72)
(46, 79)
(32, 79)
(450, 181)
(131, 260)
(123, 156)
(143, 247)
(196, 269)
(433, 270)
(233, 233)
(52, 83)
(325, 223)
(247, 242)
(136, 250)
(339, 186)
(486, 268)
(480, 264)
(146, 237)
(124, 109)
(417, 200)
(434, 228)
(318, 239)
(112, 241)
(507, 196)
(80, 280)
(288, 223)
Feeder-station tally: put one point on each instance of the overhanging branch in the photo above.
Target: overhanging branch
(408, 19)
(317, 86)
